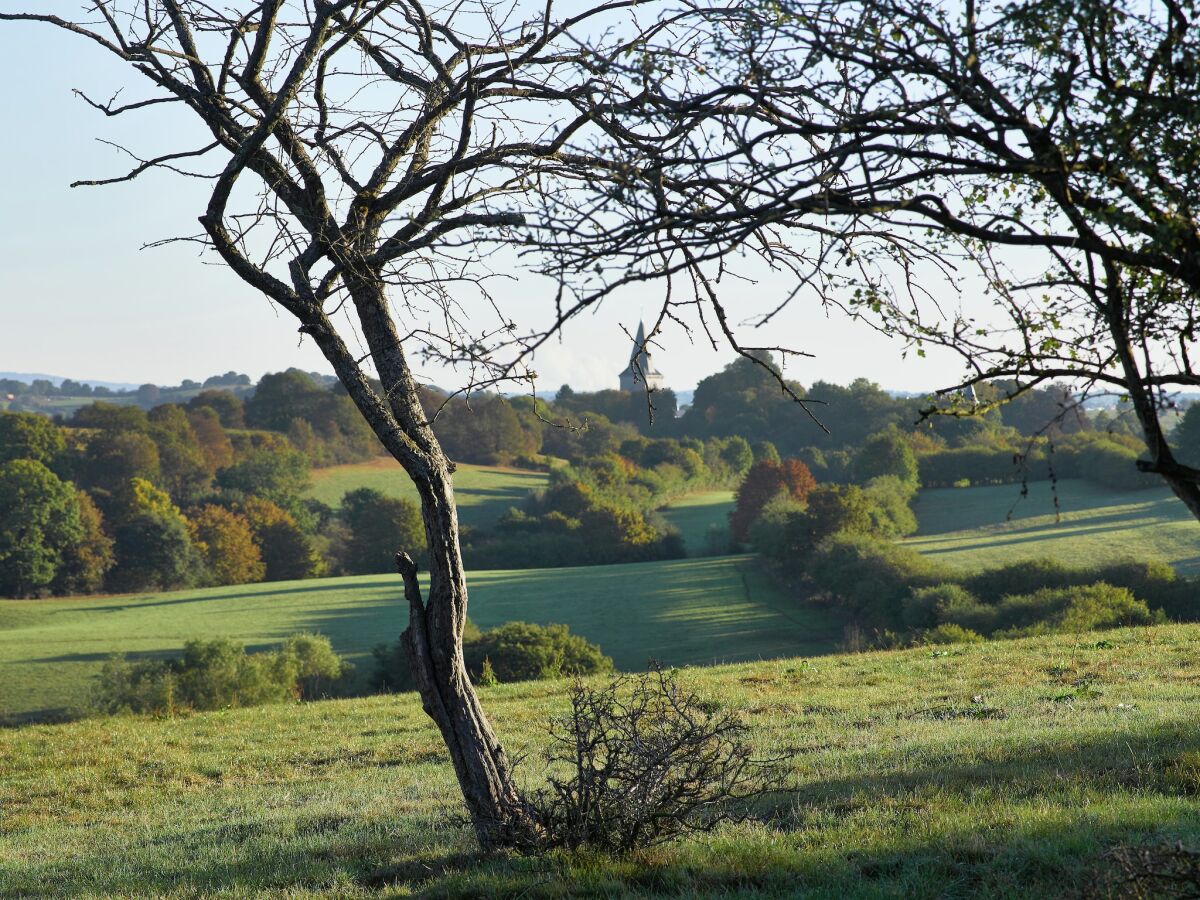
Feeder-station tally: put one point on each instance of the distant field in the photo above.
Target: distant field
(679, 612)
(483, 493)
(966, 527)
(1009, 769)
(695, 514)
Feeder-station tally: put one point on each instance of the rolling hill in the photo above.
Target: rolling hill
(483, 493)
(969, 528)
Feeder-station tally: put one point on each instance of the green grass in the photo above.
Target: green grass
(483, 493)
(694, 515)
(679, 612)
(966, 527)
(1006, 769)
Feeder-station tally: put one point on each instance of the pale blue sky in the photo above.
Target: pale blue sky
(79, 298)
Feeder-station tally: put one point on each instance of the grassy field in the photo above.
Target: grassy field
(966, 527)
(969, 528)
(680, 612)
(695, 514)
(483, 493)
(1008, 769)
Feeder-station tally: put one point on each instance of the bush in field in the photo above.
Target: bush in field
(308, 663)
(832, 509)
(391, 673)
(951, 634)
(515, 651)
(1023, 577)
(1113, 465)
(519, 651)
(1073, 609)
(929, 607)
(770, 535)
(219, 674)
(891, 510)
(869, 578)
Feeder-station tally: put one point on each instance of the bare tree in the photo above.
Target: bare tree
(1040, 155)
(367, 163)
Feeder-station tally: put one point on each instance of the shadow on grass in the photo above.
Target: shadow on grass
(946, 829)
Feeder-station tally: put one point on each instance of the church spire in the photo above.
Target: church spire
(640, 373)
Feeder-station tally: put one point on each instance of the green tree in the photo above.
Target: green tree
(886, 453)
(86, 562)
(110, 417)
(737, 454)
(112, 459)
(153, 546)
(184, 471)
(227, 406)
(30, 436)
(278, 475)
(39, 522)
(379, 526)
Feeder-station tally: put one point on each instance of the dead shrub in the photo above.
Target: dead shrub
(645, 762)
(1160, 871)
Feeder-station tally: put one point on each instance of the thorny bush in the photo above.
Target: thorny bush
(645, 761)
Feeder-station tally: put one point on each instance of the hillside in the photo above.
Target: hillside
(970, 528)
(696, 516)
(967, 527)
(1008, 769)
(680, 612)
(483, 493)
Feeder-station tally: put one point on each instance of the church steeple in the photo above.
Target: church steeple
(640, 373)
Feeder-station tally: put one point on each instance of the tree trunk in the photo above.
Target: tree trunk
(1184, 481)
(433, 639)
(433, 643)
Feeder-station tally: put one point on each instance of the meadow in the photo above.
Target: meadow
(970, 528)
(680, 612)
(696, 516)
(1008, 769)
(979, 527)
(483, 493)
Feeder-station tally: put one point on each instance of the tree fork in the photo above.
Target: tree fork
(498, 813)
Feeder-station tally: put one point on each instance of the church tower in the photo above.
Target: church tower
(640, 373)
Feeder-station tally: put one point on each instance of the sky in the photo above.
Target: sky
(81, 299)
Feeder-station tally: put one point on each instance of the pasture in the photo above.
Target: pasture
(680, 612)
(969, 528)
(1008, 769)
(696, 516)
(483, 493)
